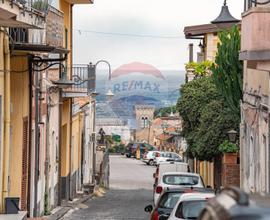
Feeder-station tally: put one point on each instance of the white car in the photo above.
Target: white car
(149, 157)
(190, 205)
(176, 180)
(166, 156)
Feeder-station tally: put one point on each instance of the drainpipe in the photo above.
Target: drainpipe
(30, 106)
(94, 142)
(6, 156)
(47, 157)
(60, 147)
(70, 149)
(268, 153)
(71, 103)
(37, 89)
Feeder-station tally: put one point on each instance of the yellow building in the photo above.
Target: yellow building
(14, 98)
(66, 110)
(35, 120)
(207, 34)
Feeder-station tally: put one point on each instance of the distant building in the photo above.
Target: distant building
(144, 115)
(111, 123)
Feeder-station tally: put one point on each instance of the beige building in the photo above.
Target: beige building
(207, 35)
(255, 107)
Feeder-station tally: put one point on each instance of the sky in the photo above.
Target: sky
(147, 31)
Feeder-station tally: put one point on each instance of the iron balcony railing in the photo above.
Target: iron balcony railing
(19, 35)
(52, 35)
(39, 6)
(84, 77)
(255, 3)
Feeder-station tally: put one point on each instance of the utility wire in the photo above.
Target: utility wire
(127, 34)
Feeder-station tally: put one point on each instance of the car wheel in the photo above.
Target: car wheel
(128, 156)
(151, 163)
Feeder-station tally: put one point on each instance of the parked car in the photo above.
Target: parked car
(234, 204)
(132, 148)
(145, 147)
(169, 167)
(166, 156)
(148, 157)
(177, 179)
(168, 200)
(189, 206)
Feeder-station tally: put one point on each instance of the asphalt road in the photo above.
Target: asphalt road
(130, 191)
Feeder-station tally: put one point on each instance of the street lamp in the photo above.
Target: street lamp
(63, 82)
(109, 94)
(232, 135)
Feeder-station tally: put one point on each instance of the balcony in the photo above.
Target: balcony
(73, 2)
(23, 13)
(255, 44)
(248, 4)
(84, 78)
(49, 39)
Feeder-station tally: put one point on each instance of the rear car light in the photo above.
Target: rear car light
(158, 189)
(155, 215)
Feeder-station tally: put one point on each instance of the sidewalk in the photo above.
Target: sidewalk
(66, 206)
(263, 200)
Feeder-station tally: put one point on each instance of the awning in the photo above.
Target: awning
(198, 31)
(38, 48)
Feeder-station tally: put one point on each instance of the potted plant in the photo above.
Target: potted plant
(229, 151)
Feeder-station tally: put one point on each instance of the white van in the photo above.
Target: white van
(171, 166)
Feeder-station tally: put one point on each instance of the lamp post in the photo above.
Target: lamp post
(149, 130)
(232, 134)
(91, 91)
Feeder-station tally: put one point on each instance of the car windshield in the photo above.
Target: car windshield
(169, 200)
(181, 180)
(165, 155)
(190, 209)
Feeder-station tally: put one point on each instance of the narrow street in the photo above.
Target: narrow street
(130, 191)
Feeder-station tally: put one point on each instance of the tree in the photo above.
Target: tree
(206, 118)
(228, 70)
(161, 112)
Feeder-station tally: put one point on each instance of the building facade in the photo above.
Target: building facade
(207, 34)
(254, 137)
(35, 115)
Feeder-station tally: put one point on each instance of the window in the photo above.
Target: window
(169, 200)
(144, 122)
(190, 209)
(175, 156)
(206, 216)
(181, 180)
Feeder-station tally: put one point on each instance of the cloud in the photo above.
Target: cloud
(152, 17)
